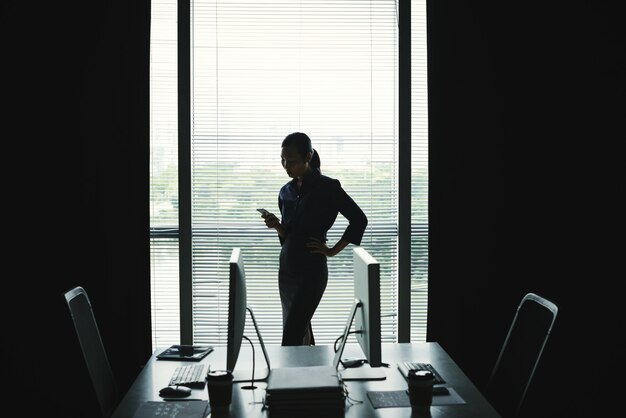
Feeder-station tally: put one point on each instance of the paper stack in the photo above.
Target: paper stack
(312, 391)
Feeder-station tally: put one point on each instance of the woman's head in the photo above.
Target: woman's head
(298, 156)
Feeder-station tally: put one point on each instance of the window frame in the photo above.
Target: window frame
(184, 230)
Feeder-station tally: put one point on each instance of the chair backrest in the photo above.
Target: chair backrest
(93, 349)
(522, 349)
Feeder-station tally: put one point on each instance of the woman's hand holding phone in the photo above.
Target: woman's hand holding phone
(271, 221)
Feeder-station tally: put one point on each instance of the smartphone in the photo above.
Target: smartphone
(263, 212)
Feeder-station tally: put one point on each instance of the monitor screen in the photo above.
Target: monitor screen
(367, 291)
(365, 316)
(236, 308)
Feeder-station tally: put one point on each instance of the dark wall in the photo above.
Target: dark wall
(75, 131)
(526, 110)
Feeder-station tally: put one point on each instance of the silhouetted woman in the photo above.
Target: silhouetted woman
(309, 205)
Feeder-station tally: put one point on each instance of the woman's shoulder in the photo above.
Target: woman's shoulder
(329, 182)
(286, 188)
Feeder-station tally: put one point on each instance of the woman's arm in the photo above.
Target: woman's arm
(353, 233)
(354, 214)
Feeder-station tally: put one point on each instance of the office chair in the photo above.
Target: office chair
(520, 354)
(93, 350)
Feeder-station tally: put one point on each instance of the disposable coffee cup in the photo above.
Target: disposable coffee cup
(220, 387)
(421, 388)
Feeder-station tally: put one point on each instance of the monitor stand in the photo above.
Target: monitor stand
(245, 375)
(364, 372)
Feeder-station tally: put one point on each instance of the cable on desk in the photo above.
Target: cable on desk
(251, 386)
(341, 338)
(350, 400)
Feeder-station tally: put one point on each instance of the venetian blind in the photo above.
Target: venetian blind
(261, 70)
(419, 172)
(164, 174)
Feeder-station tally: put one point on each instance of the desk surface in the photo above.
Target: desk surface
(249, 403)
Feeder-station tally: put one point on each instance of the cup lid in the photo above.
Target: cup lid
(219, 375)
(420, 375)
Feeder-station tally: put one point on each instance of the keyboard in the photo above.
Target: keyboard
(192, 376)
(405, 366)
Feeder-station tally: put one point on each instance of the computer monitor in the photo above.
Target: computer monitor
(237, 307)
(367, 290)
(237, 297)
(365, 314)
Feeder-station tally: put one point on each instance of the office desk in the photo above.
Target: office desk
(249, 403)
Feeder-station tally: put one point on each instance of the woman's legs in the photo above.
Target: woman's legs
(297, 323)
(302, 279)
(308, 338)
(298, 309)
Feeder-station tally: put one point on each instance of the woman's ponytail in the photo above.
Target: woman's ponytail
(315, 162)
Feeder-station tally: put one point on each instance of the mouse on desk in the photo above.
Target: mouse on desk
(175, 392)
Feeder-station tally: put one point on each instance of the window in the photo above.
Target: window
(260, 70)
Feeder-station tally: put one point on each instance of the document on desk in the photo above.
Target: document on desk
(173, 409)
(399, 399)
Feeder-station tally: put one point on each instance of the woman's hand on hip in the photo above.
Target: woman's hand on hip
(316, 246)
